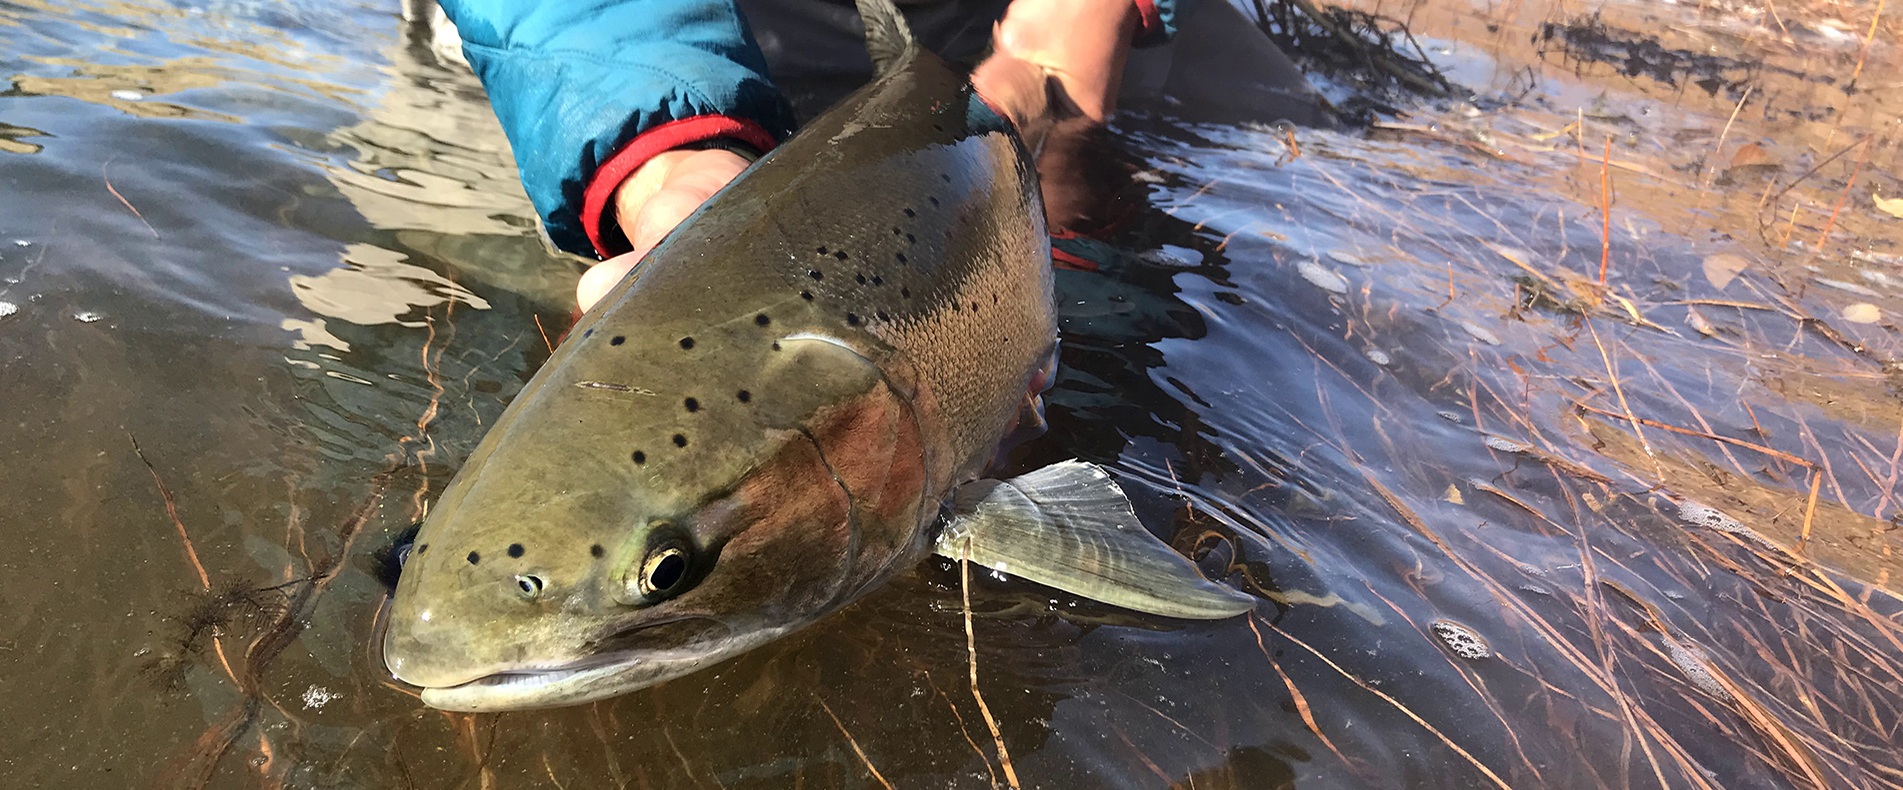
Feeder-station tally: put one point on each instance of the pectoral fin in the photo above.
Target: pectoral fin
(1069, 526)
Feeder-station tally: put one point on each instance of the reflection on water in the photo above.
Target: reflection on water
(1514, 529)
(375, 286)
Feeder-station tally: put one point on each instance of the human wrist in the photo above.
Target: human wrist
(654, 153)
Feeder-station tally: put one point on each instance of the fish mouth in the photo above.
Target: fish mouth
(572, 684)
(588, 679)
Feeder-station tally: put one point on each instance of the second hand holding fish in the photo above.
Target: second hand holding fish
(1071, 50)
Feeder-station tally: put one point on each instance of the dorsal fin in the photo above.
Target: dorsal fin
(888, 38)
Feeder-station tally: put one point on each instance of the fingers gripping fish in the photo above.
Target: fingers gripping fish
(763, 422)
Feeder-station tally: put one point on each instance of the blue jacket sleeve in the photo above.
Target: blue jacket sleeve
(574, 80)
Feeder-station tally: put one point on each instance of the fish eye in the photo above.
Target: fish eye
(662, 571)
(529, 585)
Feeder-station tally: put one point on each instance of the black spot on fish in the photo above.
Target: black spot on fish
(617, 340)
(816, 274)
(687, 343)
(596, 550)
(882, 316)
(910, 213)
(934, 201)
(852, 319)
(776, 345)
(640, 457)
(421, 549)
(691, 404)
(905, 292)
(588, 333)
(762, 320)
(938, 127)
(744, 396)
(877, 280)
(946, 176)
(474, 558)
(862, 279)
(841, 255)
(974, 307)
(680, 440)
(515, 550)
(822, 250)
(901, 256)
(896, 231)
(954, 307)
(911, 239)
(807, 295)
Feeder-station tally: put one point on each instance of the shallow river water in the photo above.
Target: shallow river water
(266, 274)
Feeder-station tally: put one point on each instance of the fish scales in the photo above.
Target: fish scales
(780, 396)
(930, 256)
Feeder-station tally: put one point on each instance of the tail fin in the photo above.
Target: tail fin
(888, 38)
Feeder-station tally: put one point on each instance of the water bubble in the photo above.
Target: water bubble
(1378, 357)
(87, 316)
(8, 308)
(1480, 333)
(22, 243)
(1344, 258)
(1507, 445)
(1710, 518)
(125, 95)
(1862, 313)
(1697, 668)
(1322, 277)
(318, 696)
(1464, 641)
(1449, 416)
(1172, 255)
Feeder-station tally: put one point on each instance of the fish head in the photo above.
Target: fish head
(553, 573)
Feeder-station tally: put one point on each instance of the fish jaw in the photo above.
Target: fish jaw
(590, 680)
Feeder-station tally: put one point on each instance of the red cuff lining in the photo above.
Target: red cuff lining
(1064, 260)
(635, 153)
(1150, 21)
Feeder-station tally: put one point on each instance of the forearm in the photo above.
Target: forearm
(575, 83)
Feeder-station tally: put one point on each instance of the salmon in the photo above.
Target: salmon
(791, 399)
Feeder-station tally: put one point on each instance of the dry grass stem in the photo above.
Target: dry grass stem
(544, 333)
(1867, 37)
(1719, 148)
(122, 199)
(1824, 237)
(1612, 374)
(1404, 710)
(1810, 508)
(1605, 212)
(971, 654)
(171, 512)
(856, 749)
(1774, 453)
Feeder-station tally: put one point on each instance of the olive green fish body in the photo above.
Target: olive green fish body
(758, 425)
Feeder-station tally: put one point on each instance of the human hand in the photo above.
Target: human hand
(1079, 46)
(661, 193)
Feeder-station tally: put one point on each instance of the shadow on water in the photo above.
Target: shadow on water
(1514, 528)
